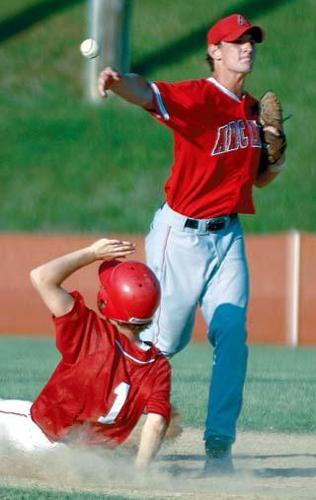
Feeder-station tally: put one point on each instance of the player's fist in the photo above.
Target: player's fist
(106, 249)
(107, 78)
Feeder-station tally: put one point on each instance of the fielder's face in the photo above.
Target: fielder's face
(237, 56)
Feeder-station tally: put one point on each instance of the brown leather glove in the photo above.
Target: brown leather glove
(273, 137)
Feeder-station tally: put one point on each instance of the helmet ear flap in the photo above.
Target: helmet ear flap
(102, 300)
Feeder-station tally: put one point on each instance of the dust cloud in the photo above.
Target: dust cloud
(269, 466)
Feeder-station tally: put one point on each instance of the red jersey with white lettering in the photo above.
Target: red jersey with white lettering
(103, 383)
(217, 147)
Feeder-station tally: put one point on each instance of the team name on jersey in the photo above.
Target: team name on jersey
(238, 134)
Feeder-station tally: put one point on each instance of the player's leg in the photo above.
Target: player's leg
(177, 256)
(173, 322)
(17, 429)
(224, 306)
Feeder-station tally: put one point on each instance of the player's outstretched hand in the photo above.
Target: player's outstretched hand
(106, 249)
(106, 79)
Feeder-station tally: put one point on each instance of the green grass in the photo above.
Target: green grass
(279, 392)
(69, 166)
(40, 494)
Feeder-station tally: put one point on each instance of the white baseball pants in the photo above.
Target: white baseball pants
(18, 430)
(199, 267)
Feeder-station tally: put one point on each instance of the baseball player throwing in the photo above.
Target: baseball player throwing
(107, 377)
(196, 245)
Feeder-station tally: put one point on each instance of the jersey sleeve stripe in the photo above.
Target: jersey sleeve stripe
(164, 113)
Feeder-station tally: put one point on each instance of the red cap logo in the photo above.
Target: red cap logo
(229, 29)
(242, 20)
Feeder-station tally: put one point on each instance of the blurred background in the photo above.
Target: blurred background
(67, 165)
(70, 165)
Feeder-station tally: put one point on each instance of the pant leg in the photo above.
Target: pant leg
(224, 307)
(180, 258)
(17, 429)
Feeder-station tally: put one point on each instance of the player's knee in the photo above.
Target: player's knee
(228, 325)
(171, 345)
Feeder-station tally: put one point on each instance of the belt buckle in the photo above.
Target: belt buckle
(215, 225)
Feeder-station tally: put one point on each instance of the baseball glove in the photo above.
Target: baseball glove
(273, 136)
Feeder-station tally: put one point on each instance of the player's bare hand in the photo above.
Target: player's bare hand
(108, 249)
(107, 78)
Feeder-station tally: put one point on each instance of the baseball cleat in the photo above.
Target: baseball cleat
(219, 460)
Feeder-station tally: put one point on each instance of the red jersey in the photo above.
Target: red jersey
(217, 147)
(103, 382)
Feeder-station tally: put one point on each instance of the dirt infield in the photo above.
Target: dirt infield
(268, 467)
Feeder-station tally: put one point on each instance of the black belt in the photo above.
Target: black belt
(212, 225)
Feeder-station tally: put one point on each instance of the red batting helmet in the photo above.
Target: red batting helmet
(130, 292)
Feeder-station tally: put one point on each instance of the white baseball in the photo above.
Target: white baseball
(89, 48)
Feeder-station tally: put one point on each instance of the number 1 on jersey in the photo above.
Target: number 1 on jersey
(121, 392)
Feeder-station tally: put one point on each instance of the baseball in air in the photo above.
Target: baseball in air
(89, 48)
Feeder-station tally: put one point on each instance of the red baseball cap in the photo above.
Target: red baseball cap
(229, 29)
